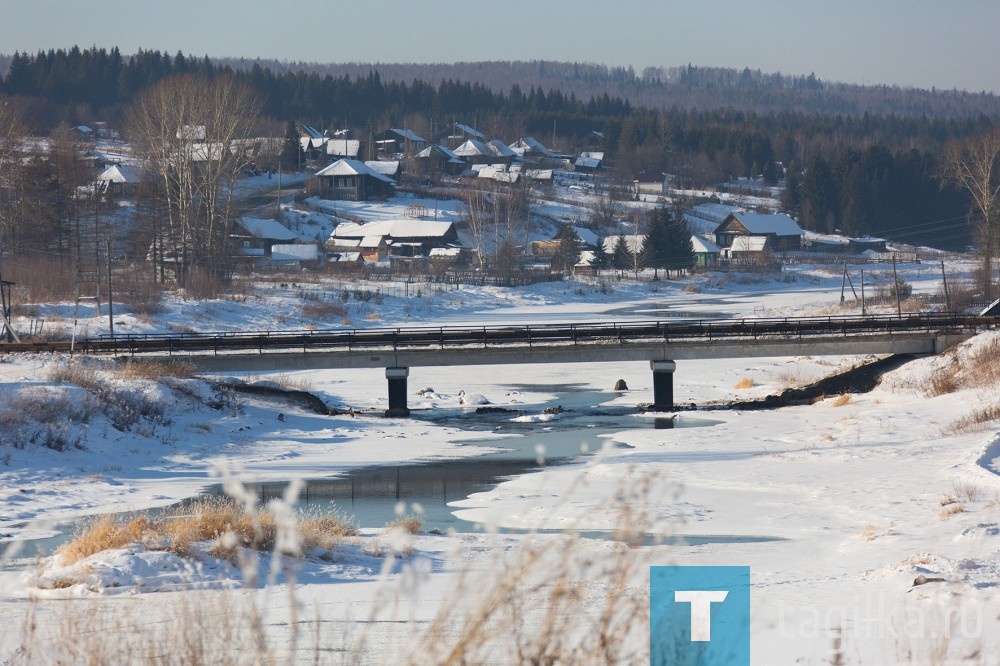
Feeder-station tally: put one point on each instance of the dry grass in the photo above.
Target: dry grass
(950, 510)
(222, 521)
(323, 310)
(745, 383)
(154, 370)
(410, 524)
(967, 491)
(285, 381)
(975, 419)
(979, 369)
(841, 400)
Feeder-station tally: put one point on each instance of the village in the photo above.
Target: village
(399, 204)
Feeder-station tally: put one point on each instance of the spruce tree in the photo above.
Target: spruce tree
(621, 257)
(601, 258)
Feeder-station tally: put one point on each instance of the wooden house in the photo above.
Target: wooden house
(782, 232)
(351, 180)
(437, 159)
(395, 141)
(119, 179)
(255, 238)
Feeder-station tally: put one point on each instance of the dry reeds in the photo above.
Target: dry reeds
(137, 368)
(841, 400)
(745, 383)
(225, 523)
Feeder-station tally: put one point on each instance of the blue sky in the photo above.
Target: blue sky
(920, 43)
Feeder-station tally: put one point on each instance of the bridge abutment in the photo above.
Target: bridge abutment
(663, 385)
(397, 391)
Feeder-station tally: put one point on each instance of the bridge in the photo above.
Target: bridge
(658, 342)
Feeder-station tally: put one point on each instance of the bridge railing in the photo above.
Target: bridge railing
(427, 337)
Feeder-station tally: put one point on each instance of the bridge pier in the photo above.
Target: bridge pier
(397, 391)
(663, 385)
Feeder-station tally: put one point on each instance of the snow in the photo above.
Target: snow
(839, 504)
(269, 229)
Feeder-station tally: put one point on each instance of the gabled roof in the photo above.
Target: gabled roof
(267, 229)
(343, 147)
(588, 162)
(778, 224)
(353, 168)
(311, 132)
(704, 246)
(586, 235)
(121, 173)
(530, 145)
(315, 142)
(408, 135)
(441, 150)
(500, 149)
(395, 229)
(384, 167)
(372, 242)
(473, 148)
(469, 131)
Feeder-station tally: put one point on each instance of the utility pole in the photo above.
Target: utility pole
(944, 280)
(111, 299)
(895, 286)
(862, 291)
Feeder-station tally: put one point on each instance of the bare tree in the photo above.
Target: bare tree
(478, 217)
(974, 165)
(193, 134)
(12, 133)
(604, 217)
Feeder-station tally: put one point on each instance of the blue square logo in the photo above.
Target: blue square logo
(699, 615)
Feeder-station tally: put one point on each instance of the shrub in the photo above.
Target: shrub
(745, 383)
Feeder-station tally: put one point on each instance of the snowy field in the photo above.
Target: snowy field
(837, 507)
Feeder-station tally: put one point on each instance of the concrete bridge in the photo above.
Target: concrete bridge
(660, 343)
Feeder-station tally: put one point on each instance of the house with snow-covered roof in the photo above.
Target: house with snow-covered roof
(120, 179)
(436, 158)
(401, 237)
(706, 253)
(256, 237)
(390, 168)
(395, 141)
(529, 147)
(351, 180)
(589, 162)
(458, 133)
(343, 148)
(782, 232)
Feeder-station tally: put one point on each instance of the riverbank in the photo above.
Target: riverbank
(842, 505)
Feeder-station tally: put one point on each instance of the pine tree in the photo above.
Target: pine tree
(601, 258)
(668, 243)
(621, 257)
(291, 152)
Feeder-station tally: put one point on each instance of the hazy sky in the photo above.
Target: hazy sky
(924, 43)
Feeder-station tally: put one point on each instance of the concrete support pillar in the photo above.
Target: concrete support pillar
(663, 385)
(397, 391)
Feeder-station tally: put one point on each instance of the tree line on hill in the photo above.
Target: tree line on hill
(874, 173)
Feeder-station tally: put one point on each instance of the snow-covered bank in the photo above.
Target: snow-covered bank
(842, 505)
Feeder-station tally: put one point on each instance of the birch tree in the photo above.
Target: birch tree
(974, 165)
(194, 134)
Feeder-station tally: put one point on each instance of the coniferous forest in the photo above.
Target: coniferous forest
(863, 160)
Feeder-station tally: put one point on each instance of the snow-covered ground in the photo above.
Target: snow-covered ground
(837, 507)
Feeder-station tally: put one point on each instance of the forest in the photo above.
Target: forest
(858, 159)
